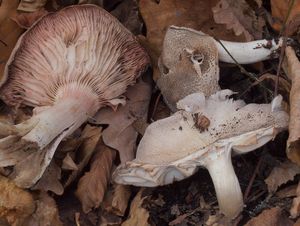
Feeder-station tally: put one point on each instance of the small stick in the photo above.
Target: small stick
(155, 105)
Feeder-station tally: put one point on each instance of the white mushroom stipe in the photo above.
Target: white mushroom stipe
(173, 148)
(66, 66)
(247, 52)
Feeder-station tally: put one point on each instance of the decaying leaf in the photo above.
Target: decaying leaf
(31, 5)
(92, 186)
(293, 71)
(109, 219)
(68, 163)
(240, 17)
(120, 133)
(270, 217)
(50, 181)
(128, 14)
(295, 208)
(9, 31)
(138, 215)
(90, 136)
(25, 20)
(16, 204)
(46, 213)
(116, 199)
(279, 10)
(281, 174)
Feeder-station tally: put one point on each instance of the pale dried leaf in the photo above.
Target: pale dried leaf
(92, 186)
(137, 215)
(9, 32)
(120, 133)
(46, 213)
(240, 17)
(270, 217)
(281, 174)
(50, 181)
(26, 20)
(68, 163)
(116, 199)
(31, 5)
(293, 71)
(16, 204)
(295, 208)
(90, 136)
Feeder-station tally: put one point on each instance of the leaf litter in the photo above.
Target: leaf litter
(84, 163)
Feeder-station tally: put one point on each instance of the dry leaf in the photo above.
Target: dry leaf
(68, 163)
(127, 13)
(46, 213)
(287, 192)
(92, 186)
(120, 133)
(295, 209)
(270, 217)
(50, 181)
(90, 136)
(293, 71)
(240, 17)
(281, 174)
(137, 215)
(116, 199)
(108, 219)
(16, 204)
(9, 32)
(279, 10)
(25, 20)
(31, 5)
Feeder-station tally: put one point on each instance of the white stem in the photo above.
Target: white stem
(247, 52)
(226, 184)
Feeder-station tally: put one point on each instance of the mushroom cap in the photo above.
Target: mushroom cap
(172, 148)
(188, 64)
(82, 45)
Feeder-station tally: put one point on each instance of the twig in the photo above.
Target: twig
(247, 192)
(155, 105)
(180, 218)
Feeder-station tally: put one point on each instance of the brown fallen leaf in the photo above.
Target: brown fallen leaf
(279, 10)
(90, 137)
(116, 199)
(68, 163)
(196, 14)
(287, 192)
(50, 181)
(293, 71)
(137, 215)
(240, 17)
(9, 32)
(92, 186)
(270, 217)
(281, 174)
(46, 213)
(120, 133)
(127, 13)
(16, 204)
(295, 208)
(109, 219)
(25, 20)
(31, 5)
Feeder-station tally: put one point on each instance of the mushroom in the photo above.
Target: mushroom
(66, 66)
(203, 133)
(189, 61)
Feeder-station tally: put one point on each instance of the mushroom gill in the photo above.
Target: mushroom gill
(67, 66)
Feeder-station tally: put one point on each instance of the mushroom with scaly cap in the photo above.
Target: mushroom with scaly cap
(173, 148)
(67, 66)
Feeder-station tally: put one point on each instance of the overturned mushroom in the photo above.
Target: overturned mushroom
(189, 61)
(203, 134)
(67, 66)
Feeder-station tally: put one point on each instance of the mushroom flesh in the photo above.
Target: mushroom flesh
(203, 134)
(66, 66)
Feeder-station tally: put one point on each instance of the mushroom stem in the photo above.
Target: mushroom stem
(226, 184)
(247, 52)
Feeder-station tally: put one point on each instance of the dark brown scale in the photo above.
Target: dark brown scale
(201, 122)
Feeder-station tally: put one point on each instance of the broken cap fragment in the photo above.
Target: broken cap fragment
(173, 148)
(67, 66)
